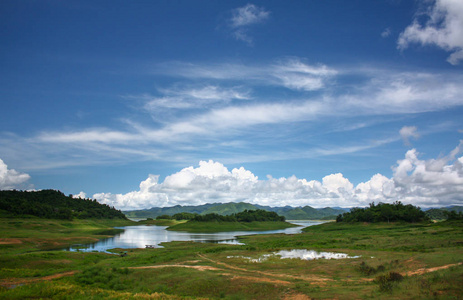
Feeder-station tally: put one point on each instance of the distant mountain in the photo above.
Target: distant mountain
(290, 213)
(229, 208)
(159, 211)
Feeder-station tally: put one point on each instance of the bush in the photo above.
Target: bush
(368, 270)
(386, 282)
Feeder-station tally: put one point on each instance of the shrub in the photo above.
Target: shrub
(386, 282)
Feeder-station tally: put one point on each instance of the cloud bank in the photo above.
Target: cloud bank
(443, 28)
(434, 182)
(12, 179)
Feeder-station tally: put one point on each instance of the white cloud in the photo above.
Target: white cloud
(248, 15)
(12, 179)
(434, 182)
(408, 132)
(244, 17)
(386, 33)
(192, 119)
(405, 92)
(191, 98)
(443, 28)
(81, 195)
(293, 73)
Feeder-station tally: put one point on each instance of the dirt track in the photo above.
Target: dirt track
(256, 276)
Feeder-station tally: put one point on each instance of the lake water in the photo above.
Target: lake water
(140, 236)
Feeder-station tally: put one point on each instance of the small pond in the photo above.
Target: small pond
(141, 236)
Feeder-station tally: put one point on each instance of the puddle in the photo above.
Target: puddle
(311, 254)
(303, 254)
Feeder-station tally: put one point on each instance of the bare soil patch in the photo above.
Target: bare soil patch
(200, 268)
(422, 271)
(9, 241)
(12, 282)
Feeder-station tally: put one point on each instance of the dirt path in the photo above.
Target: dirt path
(429, 270)
(12, 282)
(312, 278)
(248, 274)
(200, 268)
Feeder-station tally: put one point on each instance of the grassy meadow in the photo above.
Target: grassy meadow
(397, 261)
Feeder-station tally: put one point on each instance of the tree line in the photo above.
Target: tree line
(258, 215)
(54, 204)
(384, 212)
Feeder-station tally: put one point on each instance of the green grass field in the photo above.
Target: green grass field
(397, 261)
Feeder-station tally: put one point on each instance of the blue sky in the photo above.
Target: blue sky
(158, 103)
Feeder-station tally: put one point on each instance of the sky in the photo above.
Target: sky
(143, 104)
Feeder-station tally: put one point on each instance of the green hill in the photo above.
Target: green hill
(290, 213)
(159, 211)
(229, 208)
(53, 204)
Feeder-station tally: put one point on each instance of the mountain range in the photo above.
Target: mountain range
(289, 212)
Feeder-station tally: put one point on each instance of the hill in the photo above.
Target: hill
(228, 208)
(53, 204)
(290, 213)
(384, 212)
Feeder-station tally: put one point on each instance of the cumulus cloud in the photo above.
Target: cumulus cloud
(12, 179)
(81, 195)
(408, 132)
(433, 182)
(244, 17)
(443, 28)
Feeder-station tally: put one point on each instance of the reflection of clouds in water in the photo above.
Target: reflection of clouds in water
(311, 254)
(303, 254)
(141, 236)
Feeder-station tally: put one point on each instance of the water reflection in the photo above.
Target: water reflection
(141, 236)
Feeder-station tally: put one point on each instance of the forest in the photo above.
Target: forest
(258, 215)
(54, 204)
(384, 212)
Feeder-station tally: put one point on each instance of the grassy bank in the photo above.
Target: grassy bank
(210, 227)
(160, 222)
(32, 234)
(424, 260)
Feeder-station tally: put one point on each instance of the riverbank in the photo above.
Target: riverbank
(211, 227)
(37, 234)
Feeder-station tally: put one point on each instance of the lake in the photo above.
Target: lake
(140, 236)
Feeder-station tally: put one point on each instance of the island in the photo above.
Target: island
(247, 220)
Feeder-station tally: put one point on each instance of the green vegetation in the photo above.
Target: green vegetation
(384, 212)
(444, 213)
(53, 204)
(229, 208)
(209, 227)
(22, 235)
(397, 261)
(178, 216)
(290, 213)
(243, 221)
(244, 216)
